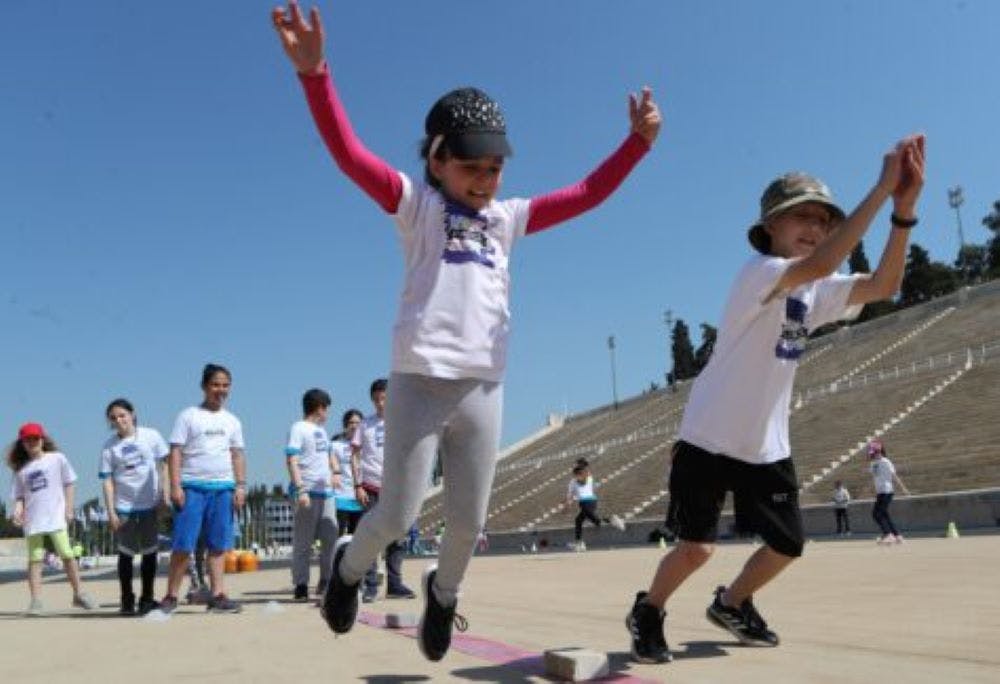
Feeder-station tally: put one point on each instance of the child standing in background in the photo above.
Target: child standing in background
(43, 504)
(133, 470)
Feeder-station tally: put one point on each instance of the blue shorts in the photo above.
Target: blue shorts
(207, 513)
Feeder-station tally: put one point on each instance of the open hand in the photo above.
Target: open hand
(644, 115)
(303, 42)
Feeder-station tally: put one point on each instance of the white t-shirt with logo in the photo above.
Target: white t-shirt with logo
(132, 462)
(739, 403)
(347, 500)
(582, 491)
(40, 483)
(370, 437)
(309, 443)
(841, 497)
(454, 313)
(882, 472)
(205, 438)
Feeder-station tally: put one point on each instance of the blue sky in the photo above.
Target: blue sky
(166, 200)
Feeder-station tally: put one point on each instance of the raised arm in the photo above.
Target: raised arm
(830, 253)
(303, 43)
(884, 282)
(561, 205)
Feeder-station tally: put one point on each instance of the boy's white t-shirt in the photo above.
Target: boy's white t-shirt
(581, 491)
(341, 450)
(370, 437)
(132, 463)
(205, 438)
(739, 403)
(841, 497)
(882, 472)
(309, 443)
(40, 483)
(454, 313)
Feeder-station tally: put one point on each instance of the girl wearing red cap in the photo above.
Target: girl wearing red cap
(450, 337)
(43, 503)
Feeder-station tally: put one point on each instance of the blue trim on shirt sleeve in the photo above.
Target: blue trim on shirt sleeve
(104, 476)
(293, 451)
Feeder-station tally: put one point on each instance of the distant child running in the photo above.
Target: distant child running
(451, 331)
(313, 480)
(581, 490)
(884, 475)
(349, 509)
(133, 470)
(734, 434)
(207, 483)
(42, 491)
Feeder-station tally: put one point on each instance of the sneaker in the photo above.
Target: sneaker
(744, 623)
(127, 606)
(645, 623)
(400, 592)
(301, 592)
(434, 632)
(83, 600)
(321, 587)
(617, 523)
(168, 604)
(581, 546)
(35, 608)
(223, 604)
(368, 595)
(147, 605)
(885, 539)
(340, 602)
(897, 539)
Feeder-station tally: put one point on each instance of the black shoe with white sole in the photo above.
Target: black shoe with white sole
(340, 602)
(434, 632)
(744, 623)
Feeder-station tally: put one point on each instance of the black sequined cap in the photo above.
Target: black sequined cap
(471, 124)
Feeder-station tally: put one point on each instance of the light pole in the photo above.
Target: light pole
(614, 377)
(955, 200)
(668, 319)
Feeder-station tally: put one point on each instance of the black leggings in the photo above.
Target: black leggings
(880, 513)
(843, 522)
(588, 511)
(347, 521)
(147, 570)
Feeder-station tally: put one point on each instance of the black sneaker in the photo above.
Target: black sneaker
(645, 623)
(400, 592)
(368, 595)
(434, 632)
(221, 603)
(321, 587)
(301, 592)
(127, 606)
(146, 605)
(340, 602)
(168, 604)
(744, 623)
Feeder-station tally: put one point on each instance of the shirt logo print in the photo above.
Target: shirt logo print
(466, 237)
(792, 342)
(37, 481)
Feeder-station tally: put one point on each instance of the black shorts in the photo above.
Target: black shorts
(766, 498)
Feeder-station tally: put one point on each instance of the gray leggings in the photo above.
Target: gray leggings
(424, 415)
(319, 521)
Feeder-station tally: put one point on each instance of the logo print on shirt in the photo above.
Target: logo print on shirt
(379, 435)
(132, 457)
(37, 481)
(466, 238)
(793, 331)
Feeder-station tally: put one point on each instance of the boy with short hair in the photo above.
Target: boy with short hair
(734, 435)
(368, 445)
(314, 476)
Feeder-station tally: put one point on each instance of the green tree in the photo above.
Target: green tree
(683, 352)
(924, 279)
(992, 222)
(704, 351)
(972, 262)
(858, 262)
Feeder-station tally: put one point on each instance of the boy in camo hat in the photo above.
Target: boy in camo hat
(734, 435)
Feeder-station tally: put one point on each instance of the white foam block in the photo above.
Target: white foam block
(401, 620)
(575, 664)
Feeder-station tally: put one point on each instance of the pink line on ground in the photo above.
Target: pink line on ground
(496, 652)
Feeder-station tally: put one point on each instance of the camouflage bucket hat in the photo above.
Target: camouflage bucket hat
(783, 193)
